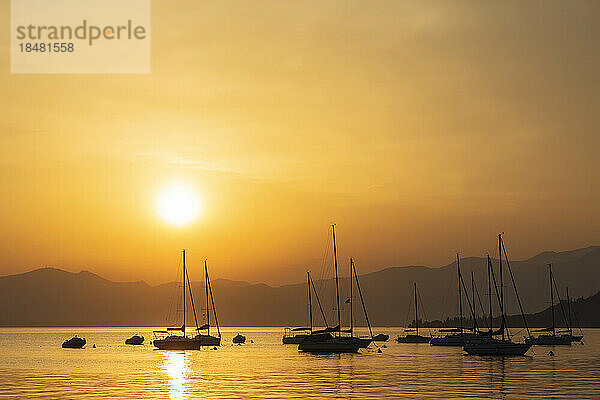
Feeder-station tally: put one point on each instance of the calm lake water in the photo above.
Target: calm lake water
(33, 365)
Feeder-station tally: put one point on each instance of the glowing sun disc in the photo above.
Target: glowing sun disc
(178, 204)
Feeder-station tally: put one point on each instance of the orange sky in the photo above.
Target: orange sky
(420, 128)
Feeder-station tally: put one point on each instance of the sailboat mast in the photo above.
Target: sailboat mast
(206, 290)
(501, 282)
(473, 297)
(490, 292)
(416, 310)
(569, 308)
(337, 289)
(551, 299)
(310, 319)
(460, 309)
(183, 284)
(351, 322)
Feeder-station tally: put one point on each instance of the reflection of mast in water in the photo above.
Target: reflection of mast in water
(502, 377)
(497, 369)
(176, 366)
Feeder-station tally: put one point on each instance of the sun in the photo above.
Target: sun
(178, 204)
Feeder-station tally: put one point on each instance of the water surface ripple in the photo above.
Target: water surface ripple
(33, 365)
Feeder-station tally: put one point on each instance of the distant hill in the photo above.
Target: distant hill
(585, 312)
(52, 297)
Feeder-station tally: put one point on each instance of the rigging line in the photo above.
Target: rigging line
(423, 309)
(192, 299)
(406, 324)
(562, 309)
(298, 303)
(362, 301)
(324, 263)
(318, 302)
(480, 303)
(572, 313)
(577, 321)
(468, 301)
(174, 298)
(445, 302)
(512, 278)
(322, 282)
(212, 301)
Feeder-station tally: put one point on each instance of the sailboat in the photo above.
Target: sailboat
(550, 338)
(414, 338)
(458, 336)
(167, 340)
(491, 346)
(297, 335)
(330, 340)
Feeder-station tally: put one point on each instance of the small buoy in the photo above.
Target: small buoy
(251, 341)
(94, 346)
(551, 353)
(379, 351)
(214, 348)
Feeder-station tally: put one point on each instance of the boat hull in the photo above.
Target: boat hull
(549, 340)
(186, 343)
(74, 343)
(459, 339)
(239, 339)
(294, 339)
(364, 342)
(135, 341)
(382, 337)
(497, 348)
(327, 344)
(413, 339)
(574, 338)
(208, 340)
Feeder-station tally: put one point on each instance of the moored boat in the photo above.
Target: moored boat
(550, 338)
(135, 340)
(167, 340)
(331, 340)
(74, 343)
(382, 337)
(496, 347)
(327, 343)
(456, 339)
(239, 339)
(490, 346)
(295, 335)
(459, 336)
(414, 337)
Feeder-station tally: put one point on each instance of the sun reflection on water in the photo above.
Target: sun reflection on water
(177, 367)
